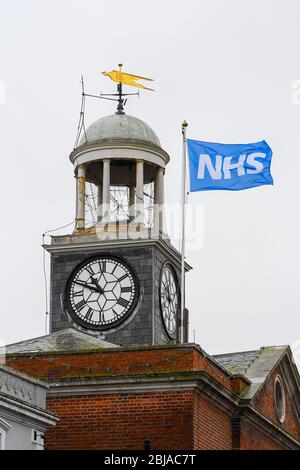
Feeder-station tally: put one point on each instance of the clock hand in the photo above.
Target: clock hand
(84, 284)
(168, 294)
(97, 285)
(94, 282)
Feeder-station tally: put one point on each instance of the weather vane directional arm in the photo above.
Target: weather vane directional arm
(123, 78)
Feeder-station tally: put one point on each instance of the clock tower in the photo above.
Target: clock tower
(117, 276)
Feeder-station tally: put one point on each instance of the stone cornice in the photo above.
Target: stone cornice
(199, 381)
(16, 410)
(274, 431)
(16, 374)
(119, 144)
(292, 384)
(68, 245)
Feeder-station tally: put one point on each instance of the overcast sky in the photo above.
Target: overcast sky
(228, 68)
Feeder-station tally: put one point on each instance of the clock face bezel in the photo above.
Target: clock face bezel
(68, 303)
(168, 265)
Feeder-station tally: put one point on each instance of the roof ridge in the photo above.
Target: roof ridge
(249, 364)
(41, 336)
(236, 352)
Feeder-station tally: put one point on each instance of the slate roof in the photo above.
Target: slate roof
(64, 340)
(254, 365)
(237, 363)
(263, 365)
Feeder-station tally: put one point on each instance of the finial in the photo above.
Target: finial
(120, 73)
(183, 128)
(120, 108)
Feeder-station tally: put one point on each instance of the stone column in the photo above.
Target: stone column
(80, 204)
(159, 200)
(106, 192)
(140, 191)
(99, 202)
(131, 203)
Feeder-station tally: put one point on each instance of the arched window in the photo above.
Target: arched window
(279, 397)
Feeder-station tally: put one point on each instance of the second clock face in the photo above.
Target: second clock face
(101, 292)
(169, 299)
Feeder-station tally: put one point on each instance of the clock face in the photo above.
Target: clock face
(101, 292)
(169, 299)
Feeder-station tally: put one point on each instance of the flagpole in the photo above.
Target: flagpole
(183, 204)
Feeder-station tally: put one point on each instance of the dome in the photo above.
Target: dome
(119, 127)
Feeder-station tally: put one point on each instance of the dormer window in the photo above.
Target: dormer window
(279, 397)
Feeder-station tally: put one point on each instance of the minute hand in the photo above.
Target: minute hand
(84, 284)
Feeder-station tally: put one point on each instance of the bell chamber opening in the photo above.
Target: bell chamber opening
(119, 191)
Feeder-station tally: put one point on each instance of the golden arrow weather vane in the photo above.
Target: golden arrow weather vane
(121, 78)
(127, 78)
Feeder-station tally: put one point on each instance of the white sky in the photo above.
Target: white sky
(227, 67)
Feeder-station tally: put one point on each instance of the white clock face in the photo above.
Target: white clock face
(101, 292)
(169, 299)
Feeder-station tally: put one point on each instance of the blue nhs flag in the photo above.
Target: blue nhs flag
(228, 166)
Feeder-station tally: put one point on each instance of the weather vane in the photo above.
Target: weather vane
(121, 78)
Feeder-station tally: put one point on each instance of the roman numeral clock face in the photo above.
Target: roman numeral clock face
(101, 293)
(169, 299)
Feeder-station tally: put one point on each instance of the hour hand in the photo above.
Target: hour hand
(94, 282)
(88, 286)
(99, 288)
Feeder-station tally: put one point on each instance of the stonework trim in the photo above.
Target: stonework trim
(68, 247)
(289, 382)
(16, 374)
(217, 395)
(202, 383)
(17, 411)
(120, 150)
(292, 374)
(121, 388)
(276, 433)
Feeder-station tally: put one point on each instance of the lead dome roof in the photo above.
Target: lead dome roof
(119, 127)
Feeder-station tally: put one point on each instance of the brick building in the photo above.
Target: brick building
(110, 397)
(117, 360)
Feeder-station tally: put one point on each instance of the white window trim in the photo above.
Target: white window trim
(278, 379)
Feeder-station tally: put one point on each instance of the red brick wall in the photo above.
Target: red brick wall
(212, 427)
(174, 420)
(122, 421)
(254, 439)
(264, 402)
(112, 363)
